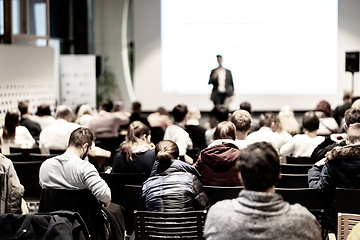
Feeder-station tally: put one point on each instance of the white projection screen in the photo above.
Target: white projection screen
(280, 52)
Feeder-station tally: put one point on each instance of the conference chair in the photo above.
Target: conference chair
(347, 200)
(24, 151)
(40, 157)
(299, 160)
(57, 151)
(16, 157)
(169, 225)
(287, 168)
(293, 181)
(346, 222)
(219, 193)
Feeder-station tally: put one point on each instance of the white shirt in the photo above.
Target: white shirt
(43, 121)
(221, 79)
(242, 144)
(180, 137)
(73, 173)
(301, 145)
(56, 136)
(22, 139)
(267, 135)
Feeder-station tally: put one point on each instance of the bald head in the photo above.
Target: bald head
(63, 112)
(194, 114)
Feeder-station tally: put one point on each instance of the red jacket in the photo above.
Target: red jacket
(216, 165)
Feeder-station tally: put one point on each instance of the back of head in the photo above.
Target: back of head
(118, 106)
(220, 112)
(80, 136)
(347, 95)
(179, 112)
(136, 107)
(266, 119)
(310, 121)
(324, 106)
(194, 113)
(10, 124)
(246, 106)
(84, 109)
(162, 111)
(352, 115)
(225, 130)
(63, 112)
(242, 120)
(353, 133)
(107, 105)
(135, 132)
(43, 110)
(166, 150)
(259, 166)
(23, 107)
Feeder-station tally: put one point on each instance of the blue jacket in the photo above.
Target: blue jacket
(173, 186)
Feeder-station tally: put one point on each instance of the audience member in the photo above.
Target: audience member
(56, 136)
(33, 127)
(136, 114)
(242, 121)
(267, 132)
(119, 109)
(14, 135)
(328, 125)
(218, 114)
(137, 155)
(84, 115)
(106, 124)
(287, 121)
(43, 116)
(254, 122)
(177, 133)
(195, 130)
(11, 191)
(216, 163)
(352, 115)
(158, 121)
(69, 171)
(173, 185)
(302, 145)
(341, 169)
(340, 110)
(258, 212)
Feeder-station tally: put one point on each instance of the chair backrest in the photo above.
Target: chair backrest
(346, 222)
(293, 181)
(117, 182)
(28, 173)
(218, 193)
(16, 157)
(132, 195)
(288, 168)
(347, 200)
(24, 151)
(169, 225)
(307, 197)
(40, 157)
(299, 160)
(57, 151)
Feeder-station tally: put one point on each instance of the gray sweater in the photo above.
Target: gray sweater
(260, 215)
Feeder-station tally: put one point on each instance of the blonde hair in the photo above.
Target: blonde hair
(135, 131)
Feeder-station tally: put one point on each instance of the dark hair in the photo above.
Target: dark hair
(23, 107)
(162, 111)
(246, 106)
(136, 107)
(353, 133)
(352, 115)
(310, 121)
(225, 130)
(135, 131)
(107, 105)
(220, 112)
(80, 136)
(242, 120)
(259, 166)
(179, 112)
(166, 150)
(324, 106)
(266, 119)
(218, 56)
(43, 110)
(11, 122)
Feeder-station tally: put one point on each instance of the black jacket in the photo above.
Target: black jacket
(60, 225)
(173, 186)
(324, 147)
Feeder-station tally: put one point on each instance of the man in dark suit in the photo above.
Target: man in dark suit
(222, 82)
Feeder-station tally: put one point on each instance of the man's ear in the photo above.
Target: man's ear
(346, 127)
(85, 145)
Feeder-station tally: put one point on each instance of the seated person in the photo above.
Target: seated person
(195, 130)
(70, 171)
(258, 212)
(216, 163)
(43, 116)
(137, 155)
(14, 135)
(12, 192)
(173, 185)
(341, 169)
(328, 124)
(242, 121)
(302, 145)
(218, 114)
(33, 127)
